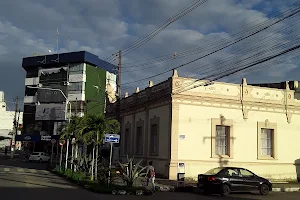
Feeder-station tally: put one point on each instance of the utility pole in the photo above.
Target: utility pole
(119, 73)
(118, 105)
(17, 123)
(16, 128)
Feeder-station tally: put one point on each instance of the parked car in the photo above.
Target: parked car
(39, 157)
(224, 180)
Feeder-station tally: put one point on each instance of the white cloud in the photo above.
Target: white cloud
(103, 28)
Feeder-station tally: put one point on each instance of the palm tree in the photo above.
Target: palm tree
(93, 129)
(70, 130)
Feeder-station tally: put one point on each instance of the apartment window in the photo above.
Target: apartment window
(78, 86)
(267, 142)
(222, 140)
(126, 141)
(154, 139)
(139, 140)
(77, 69)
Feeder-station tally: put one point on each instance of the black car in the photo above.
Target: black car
(223, 180)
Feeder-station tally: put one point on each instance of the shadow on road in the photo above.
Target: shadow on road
(20, 163)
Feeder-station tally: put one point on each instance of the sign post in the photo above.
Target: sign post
(111, 138)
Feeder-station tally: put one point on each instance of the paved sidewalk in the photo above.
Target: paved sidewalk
(277, 187)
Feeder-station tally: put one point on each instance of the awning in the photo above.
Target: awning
(36, 138)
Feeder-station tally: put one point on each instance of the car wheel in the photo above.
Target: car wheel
(225, 190)
(264, 189)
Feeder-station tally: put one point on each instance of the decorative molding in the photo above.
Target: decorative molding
(289, 117)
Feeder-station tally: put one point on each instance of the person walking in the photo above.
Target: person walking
(151, 175)
(5, 151)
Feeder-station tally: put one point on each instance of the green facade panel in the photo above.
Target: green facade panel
(95, 90)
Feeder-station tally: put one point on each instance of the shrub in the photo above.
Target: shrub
(131, 172)
(78, 176)
(68, 173)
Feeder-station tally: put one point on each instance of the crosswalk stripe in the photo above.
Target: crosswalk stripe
(32, 170)
(20, 170)
(6, 169)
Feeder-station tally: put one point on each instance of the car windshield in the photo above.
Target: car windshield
(213, 171)
(35, 154)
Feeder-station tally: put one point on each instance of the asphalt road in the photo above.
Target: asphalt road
(23, 180)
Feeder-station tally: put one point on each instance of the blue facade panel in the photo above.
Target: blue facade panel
(65, 58)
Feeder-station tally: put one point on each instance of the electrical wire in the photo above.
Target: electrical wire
(294, 12)
(242, 48)
(171, 57)
(141, 41)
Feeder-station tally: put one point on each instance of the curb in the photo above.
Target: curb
(292, 189)
(195, 189)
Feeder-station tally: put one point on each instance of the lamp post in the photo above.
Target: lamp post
(69, 118)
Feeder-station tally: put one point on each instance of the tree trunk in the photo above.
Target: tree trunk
(93, 161)
(96, 159)
(76, 156)
(72, 155)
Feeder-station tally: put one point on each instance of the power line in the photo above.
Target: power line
(295, 11)
(267, 36)
(141, 41)
(186, 52)
(155, 32)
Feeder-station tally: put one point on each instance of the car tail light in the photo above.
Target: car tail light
(211, 178)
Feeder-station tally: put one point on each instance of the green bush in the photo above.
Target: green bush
(78, 176)
(68, 173)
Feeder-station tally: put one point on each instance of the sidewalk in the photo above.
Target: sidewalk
(170, 185)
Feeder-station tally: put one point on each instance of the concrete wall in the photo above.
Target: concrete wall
(160, 115)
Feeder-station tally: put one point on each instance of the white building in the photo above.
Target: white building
(6, 121)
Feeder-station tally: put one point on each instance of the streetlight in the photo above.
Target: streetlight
(67, 102)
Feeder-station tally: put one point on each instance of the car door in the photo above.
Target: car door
(250, 180)
(235, 180)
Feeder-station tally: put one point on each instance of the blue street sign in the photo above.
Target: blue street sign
(112, 138)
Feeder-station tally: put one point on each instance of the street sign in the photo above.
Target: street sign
(45, 137)
(112, 138)
(62, 142)
(53, 141)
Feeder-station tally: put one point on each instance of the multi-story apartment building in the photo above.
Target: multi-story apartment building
(58, 85)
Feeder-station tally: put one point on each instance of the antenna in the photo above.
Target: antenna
(70, 43)
(57, 33)
(57, 59)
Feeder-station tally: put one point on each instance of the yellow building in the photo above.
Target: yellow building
(187, 126)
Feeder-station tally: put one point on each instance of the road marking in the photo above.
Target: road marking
(6, 169)
(32, 170)
(20, 170)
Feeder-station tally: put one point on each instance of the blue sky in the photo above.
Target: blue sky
(102, 27)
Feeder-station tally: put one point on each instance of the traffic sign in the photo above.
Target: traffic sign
(62, 142)
(112, 138)
(53, 141)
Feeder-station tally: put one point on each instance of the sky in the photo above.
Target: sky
(102, 27)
